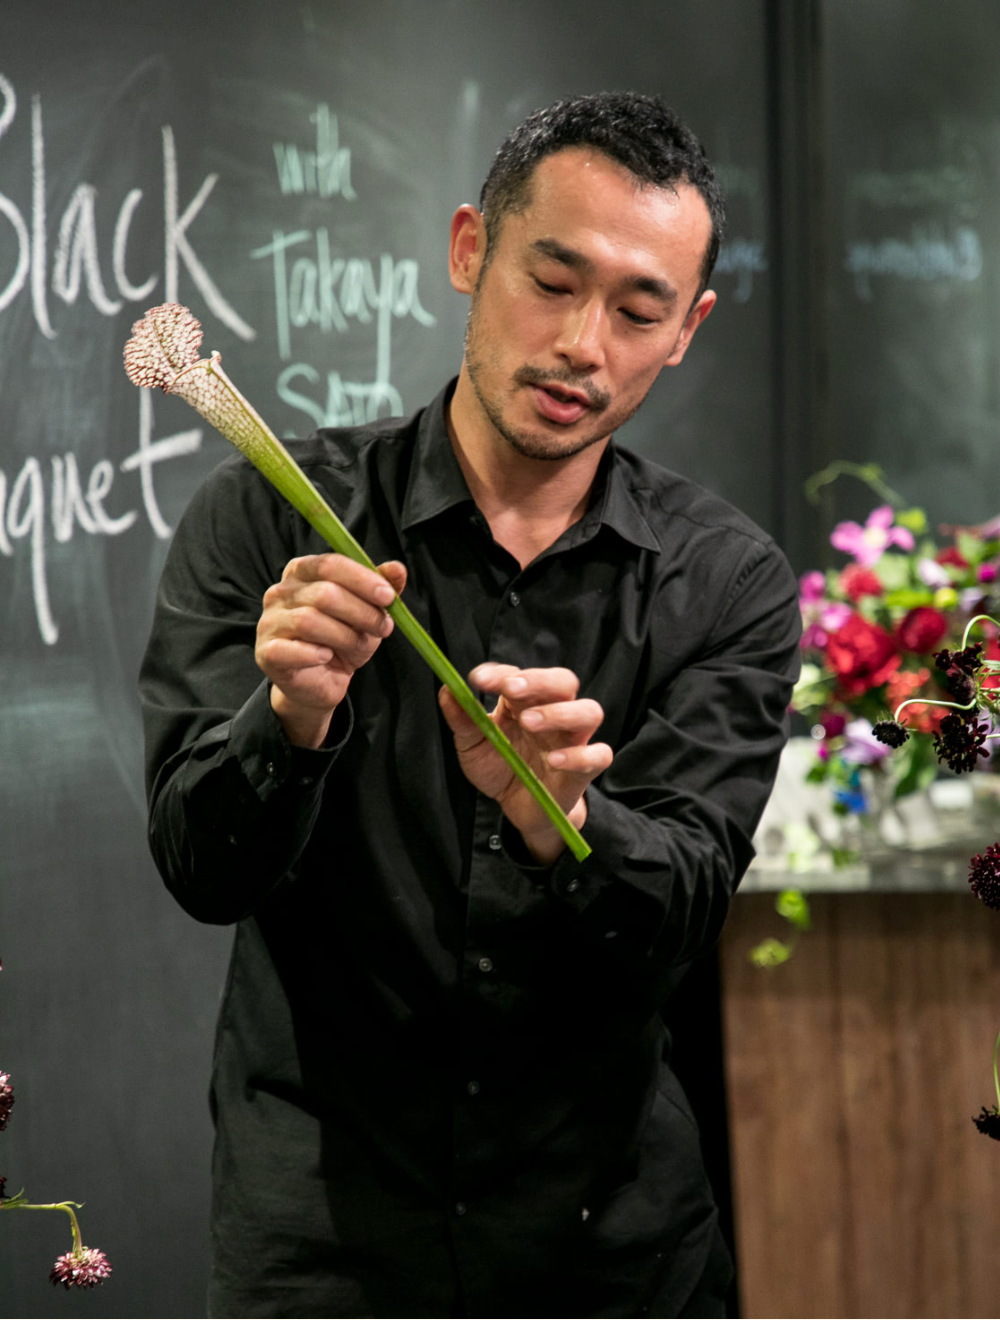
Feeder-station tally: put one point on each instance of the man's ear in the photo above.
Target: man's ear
(692, 321)
(467, 248)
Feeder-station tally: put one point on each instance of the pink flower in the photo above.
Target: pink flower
(931, 573)
(867, 544)
(81, 1269)
(987, 572)
(820, 617)
(6, 1099)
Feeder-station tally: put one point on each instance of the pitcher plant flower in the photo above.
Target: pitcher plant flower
(163, 353)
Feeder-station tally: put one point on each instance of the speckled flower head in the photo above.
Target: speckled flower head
(6, 1099)
(82, 1269)
(890, 733)
(984, 876)
(988, 1122)
(163, 343)
(959, 742)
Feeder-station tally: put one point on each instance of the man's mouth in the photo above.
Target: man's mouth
(559, 403)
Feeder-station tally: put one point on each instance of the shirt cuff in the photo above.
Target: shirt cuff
(268, 760)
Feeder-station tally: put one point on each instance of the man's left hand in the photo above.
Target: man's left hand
(551, 728)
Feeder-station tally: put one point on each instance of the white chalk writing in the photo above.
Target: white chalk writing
(926, 255)
(77, 263)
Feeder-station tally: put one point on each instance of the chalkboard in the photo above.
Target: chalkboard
(287, 171)
(913, 148)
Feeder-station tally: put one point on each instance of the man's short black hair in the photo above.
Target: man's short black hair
(638, 132)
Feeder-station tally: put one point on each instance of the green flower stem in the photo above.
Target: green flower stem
(996, 1079)
(270, 457)
(56, 1205)
(928, 701)
(968, 627)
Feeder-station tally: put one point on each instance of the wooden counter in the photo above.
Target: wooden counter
(861, 1186)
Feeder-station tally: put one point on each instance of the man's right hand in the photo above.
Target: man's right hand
(321, 622)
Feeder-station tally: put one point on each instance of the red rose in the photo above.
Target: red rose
(921, 630)
(952, 555)
(857, 581)
(862, 655)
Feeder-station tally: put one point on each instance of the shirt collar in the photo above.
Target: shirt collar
(436, 483)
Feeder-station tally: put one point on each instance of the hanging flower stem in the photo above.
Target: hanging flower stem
(163, 352)
(71, 1207)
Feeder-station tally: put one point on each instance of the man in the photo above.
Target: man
(439, 1084)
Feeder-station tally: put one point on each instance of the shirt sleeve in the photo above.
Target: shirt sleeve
(231, 802)
(671, 821)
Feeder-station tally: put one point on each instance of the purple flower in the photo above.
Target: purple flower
(82, 1269)
(984, 876)
(867, 544)
(6, 1099)
(987, 572)
(862, 746)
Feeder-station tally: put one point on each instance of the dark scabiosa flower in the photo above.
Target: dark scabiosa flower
(890, 733)
(959, 742)
(988, 1122)
(984, 876)
(960, 668)
(6, 1099)
(3, 1184)
(81, 1269)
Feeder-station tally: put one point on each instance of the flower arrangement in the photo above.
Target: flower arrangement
(888, 641)
(887, 631)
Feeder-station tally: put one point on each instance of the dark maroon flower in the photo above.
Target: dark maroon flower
(960, 669)
(988, 1122)
(959, 742)
(890, 733)
(6, 1099)
(984, 876)
(83, 1269)
(3, 1184)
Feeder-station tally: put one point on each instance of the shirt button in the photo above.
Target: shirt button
(486, 964)
(270, 768)
(472, 1088)
(494, 842)
(460, 1207)
(572, 887)
(305, 781)
(232, 840)
(514, 598)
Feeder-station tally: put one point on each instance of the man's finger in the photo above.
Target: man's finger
(531, 686)
(577, 717)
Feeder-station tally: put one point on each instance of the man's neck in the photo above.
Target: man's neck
(528, 502)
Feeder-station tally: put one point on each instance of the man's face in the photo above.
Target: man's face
(589, 293)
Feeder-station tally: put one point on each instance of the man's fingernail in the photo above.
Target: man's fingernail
(384, 595)
(516, 684)
(531, 718)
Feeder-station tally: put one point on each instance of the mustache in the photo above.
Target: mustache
(597, 400)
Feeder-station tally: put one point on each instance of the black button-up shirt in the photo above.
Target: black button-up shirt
(438, 1084)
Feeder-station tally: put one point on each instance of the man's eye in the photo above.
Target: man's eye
(548, 288)
(637, 318)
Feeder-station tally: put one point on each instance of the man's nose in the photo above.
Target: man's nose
(581, 336)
